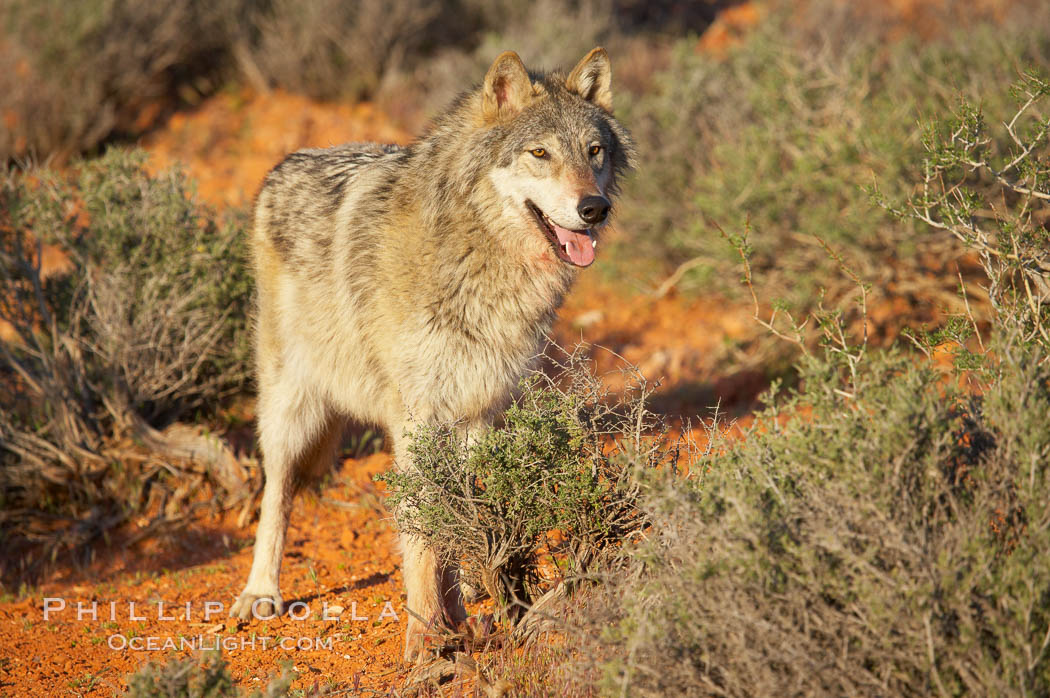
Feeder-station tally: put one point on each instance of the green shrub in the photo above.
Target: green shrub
(542, 499)
(881, 529)
(891, 543)
(148, 325)
(203, 677)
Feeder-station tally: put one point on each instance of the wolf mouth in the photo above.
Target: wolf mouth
(574, 247)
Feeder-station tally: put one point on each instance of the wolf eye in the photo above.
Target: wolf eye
(539, 152)
(595, 149)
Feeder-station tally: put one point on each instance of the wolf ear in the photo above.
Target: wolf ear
(507, 88)
(592, 79)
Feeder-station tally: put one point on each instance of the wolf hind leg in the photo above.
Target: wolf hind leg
(297, 431)
(434, 601)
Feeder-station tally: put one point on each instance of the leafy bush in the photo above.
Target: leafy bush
(204, 677)
(791, 128)
(882, 529)
(530, 507)
(146, 325)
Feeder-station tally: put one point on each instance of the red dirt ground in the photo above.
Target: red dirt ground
(340, 553)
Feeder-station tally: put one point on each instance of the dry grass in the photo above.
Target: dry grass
(146, 324)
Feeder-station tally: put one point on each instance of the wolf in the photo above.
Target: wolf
(405, 286)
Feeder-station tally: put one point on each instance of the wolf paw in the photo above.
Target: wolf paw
(426, 642)
(422, 642)
(260, 606)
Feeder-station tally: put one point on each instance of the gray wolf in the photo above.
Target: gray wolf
(400, 286)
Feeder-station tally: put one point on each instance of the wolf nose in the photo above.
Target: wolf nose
(593, 209)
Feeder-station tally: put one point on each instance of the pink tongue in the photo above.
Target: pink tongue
(581, 250)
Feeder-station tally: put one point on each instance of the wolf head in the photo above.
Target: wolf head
(559, 152)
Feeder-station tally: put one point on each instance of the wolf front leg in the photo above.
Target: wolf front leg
(296, 431)
(433, 602)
